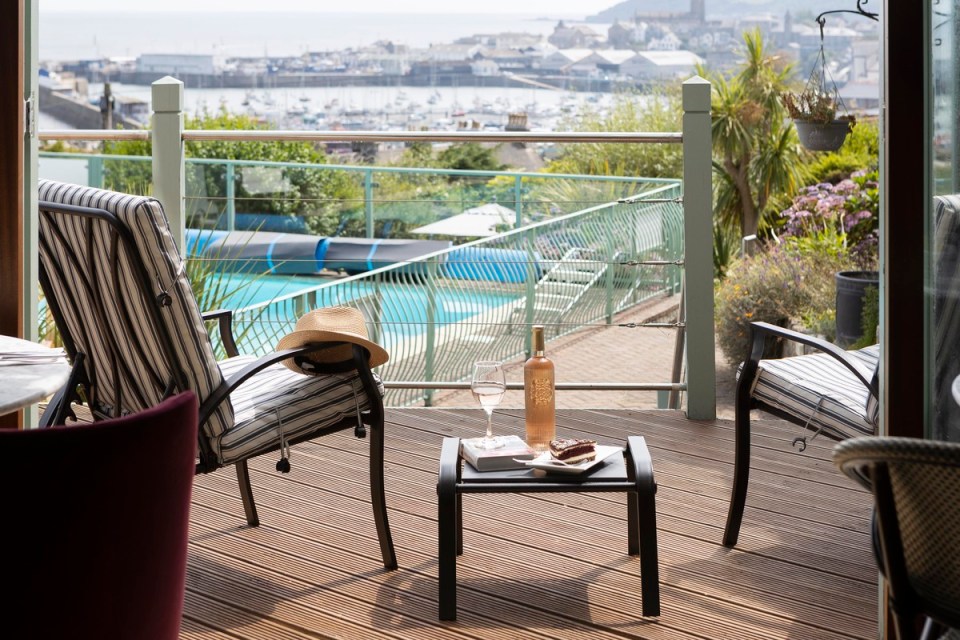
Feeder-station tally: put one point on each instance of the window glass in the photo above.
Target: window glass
(945, 246)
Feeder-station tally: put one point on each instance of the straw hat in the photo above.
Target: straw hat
(331, 324)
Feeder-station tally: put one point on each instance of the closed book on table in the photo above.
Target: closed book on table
(499, 459)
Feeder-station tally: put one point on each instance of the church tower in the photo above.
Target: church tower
(698, 11)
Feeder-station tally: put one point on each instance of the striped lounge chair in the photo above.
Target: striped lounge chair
(832, 392)
(118, 291)
(835, 392)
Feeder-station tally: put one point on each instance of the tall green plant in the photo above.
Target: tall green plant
(756, 154)
(657, 112)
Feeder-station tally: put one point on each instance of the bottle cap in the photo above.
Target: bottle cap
(538, 341)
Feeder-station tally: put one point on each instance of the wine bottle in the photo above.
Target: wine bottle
(538, 395)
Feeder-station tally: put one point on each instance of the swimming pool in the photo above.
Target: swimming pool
(402, 308)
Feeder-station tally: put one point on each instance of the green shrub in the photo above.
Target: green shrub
(725, 249)
(783, 286)
(841, 219)
(869, 318)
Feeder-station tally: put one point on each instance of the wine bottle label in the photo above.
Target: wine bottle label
(541, 392)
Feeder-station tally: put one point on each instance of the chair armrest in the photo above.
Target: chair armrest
(229, 386)
(760, 330)
(224, 318)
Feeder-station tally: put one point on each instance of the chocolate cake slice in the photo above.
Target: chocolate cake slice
(573, 450)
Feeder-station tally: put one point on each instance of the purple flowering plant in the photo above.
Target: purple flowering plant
(840, 219)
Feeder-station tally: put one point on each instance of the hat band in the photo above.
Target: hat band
(313, 367)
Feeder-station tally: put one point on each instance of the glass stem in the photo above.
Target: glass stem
(490, 425)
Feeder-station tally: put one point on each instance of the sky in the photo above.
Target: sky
(548, 7)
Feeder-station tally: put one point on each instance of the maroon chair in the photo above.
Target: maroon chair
(93, 525)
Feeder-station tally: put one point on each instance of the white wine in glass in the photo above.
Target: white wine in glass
(488, 385)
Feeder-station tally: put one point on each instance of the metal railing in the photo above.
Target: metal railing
(439, 313)
(169, 182)
(213, 201)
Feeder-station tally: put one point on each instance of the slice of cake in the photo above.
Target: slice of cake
(573, 450)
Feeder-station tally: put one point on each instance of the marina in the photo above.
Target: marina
(389, 108)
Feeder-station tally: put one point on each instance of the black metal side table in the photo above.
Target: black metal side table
(631, 473)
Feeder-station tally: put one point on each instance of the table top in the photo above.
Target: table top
(613, 468)
(26, 382)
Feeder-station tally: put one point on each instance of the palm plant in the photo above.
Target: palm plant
(755, 150)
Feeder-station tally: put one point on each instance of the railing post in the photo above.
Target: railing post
(698, 250)
(431, 346)
(518, 200)
(368, 202)
(231, 178)
(169, 179)
(611, 252)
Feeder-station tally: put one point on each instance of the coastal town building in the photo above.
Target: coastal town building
(179, 63)
(625, 34)
(644, 49)
(660, 65)
(563, 60)
(578, 36)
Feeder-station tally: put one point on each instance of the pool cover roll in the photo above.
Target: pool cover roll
(266, 251)
(299, 254)
(357, 255)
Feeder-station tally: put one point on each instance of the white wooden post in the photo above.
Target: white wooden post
(698, 250)
(169, 179)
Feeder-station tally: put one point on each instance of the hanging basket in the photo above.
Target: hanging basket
(822, 136)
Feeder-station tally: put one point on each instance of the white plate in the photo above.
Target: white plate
(546, 462)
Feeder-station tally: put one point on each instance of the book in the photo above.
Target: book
(499, 459)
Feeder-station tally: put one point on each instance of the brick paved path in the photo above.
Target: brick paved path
(610, 354)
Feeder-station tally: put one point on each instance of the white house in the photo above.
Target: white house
(660, 65)
(485, 67)
(667, 42)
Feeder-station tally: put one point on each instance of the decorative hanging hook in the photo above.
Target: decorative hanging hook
(860, 11)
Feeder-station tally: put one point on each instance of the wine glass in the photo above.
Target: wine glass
(488, 385)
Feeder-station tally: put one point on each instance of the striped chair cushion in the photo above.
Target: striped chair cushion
(125, 353)
(277, 398)
(819, 391)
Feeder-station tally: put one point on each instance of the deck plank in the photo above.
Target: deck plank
(535, 566)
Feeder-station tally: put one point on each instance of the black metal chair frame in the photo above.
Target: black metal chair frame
(59, 407)
(745, 402)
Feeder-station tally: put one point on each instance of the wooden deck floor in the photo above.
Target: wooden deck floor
(547, 566)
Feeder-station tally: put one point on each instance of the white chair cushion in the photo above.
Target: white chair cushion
(820, 391)
(277, 396)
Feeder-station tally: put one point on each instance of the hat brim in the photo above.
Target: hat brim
(296, 339)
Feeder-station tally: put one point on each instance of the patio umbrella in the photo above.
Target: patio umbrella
(476, 222)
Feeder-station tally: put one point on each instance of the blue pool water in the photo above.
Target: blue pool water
(244, 290)
(403, 307)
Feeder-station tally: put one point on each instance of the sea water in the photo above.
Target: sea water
(96, 35)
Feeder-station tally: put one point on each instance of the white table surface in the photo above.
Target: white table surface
(24, 384)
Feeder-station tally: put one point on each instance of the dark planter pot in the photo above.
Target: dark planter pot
(851, 287)
(817, 136)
